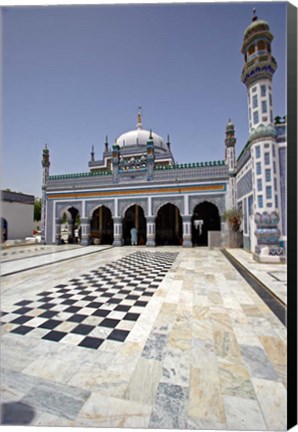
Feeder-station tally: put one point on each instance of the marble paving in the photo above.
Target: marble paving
(205, 352)
(28, 262)
(273, 276)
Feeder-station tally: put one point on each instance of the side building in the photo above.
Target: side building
(17, 215)
(137, 183)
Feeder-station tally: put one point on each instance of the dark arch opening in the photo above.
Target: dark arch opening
(4, 230)
(168, 226)
(134, 218)
(71, 216)
(101, 226)
(209, 215)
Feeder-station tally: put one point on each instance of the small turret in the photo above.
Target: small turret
(92, 154)
(107, 144)
(168, 142)
(46, 170)
(45, 157)
(150, 156)
(115, 161)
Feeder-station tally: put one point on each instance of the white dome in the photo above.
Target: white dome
(139, 137)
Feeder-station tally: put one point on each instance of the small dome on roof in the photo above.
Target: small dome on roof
(256, 26)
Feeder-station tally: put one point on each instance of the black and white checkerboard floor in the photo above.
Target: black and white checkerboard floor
(102, 304)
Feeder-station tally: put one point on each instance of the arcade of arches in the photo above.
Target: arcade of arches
(167, 228)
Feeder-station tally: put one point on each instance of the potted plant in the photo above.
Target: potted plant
(233, 218)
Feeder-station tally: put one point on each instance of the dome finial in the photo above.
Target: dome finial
(254, 14)
(139, 117)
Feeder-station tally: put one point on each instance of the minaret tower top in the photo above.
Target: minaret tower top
(258, 71)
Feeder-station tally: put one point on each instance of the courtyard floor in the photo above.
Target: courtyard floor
(140, 338)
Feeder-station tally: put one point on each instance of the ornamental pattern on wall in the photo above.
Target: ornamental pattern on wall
(244, 185)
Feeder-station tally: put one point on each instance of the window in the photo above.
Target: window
(275, 184)
(254, 89)
(268, 192)
(255, 101)
(271, 117)
(270, 99)
(249, 110)
(251, 50)
(264, 106)
(260, 201)
(274, 167)
(267, 159)
(268, 175)
(276, 201)
(263, 90)
(261, 45)
(258, 152)
(259, 185)
(259, 168)
(273, 150)
(256, 117)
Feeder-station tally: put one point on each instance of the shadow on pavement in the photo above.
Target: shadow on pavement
(16, 413)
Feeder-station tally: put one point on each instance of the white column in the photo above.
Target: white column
(186, 223)
(85, 226)
(117, 231)
(186, 205)
(58, 231)
(150, 231)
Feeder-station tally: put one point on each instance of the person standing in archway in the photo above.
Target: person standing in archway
(134, 236)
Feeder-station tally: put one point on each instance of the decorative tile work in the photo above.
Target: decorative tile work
(283, 180)
(108, 298)
(244, 185)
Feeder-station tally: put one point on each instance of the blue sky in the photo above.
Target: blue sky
(74, 74)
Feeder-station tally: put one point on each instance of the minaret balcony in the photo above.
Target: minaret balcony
(261, 65)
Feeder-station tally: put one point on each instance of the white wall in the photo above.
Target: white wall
(19, 219)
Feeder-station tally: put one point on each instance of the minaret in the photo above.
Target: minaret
(115, 161)
(258, 71)
(92, 154)
(230, 158)
(257, 75)
(107, 144)
(46, 169)
(150, 157)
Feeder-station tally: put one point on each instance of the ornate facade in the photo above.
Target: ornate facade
(138, 184)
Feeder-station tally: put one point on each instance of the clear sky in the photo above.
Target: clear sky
(74, 74)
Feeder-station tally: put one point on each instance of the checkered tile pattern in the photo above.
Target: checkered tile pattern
(102, 304)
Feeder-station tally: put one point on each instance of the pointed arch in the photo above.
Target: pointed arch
(101, 225)
(168, 223)
(205, 218)
(134, 217)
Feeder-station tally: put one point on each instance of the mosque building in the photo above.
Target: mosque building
(138, 184)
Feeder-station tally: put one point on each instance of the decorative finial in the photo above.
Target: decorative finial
(168, 141)
(107, 143)
(254, 14)
(150, 136)
(139, 116)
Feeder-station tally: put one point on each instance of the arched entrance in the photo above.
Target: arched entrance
(205, 218)
(101, 226)
(70, 233)
(134, 218)
(168, 226)
(4, 230)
